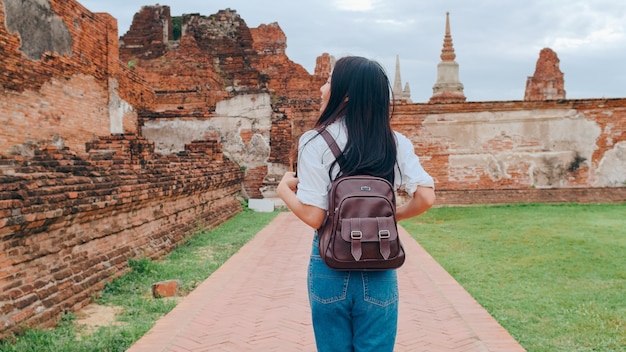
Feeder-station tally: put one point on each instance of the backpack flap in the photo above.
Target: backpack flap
(370, 238)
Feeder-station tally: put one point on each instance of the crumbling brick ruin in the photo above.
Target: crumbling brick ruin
(119, 147)
(547, 82)
(81, 191)
(224, 80)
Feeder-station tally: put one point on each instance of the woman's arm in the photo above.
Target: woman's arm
(422, 200)
(309, 214)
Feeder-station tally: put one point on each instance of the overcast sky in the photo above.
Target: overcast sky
(497, 42)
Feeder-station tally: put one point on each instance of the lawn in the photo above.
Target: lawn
(553, 275)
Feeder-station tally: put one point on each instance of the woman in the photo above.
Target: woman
(354, 310)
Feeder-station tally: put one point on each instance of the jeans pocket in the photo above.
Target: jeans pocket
(325, 284)
(380, 287)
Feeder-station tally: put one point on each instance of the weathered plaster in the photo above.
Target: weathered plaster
(541, 143)
(39, 28)
(118, 108)
(252, 106)
(610, 172)
(251, 112)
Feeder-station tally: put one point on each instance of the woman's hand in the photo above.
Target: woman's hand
(422, 200)
(286, 190)
(290, 181)
(287, 187)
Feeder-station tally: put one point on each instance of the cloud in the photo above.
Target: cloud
(587, 27)
(354, 5)
(395, 23)
(371, 25)
(601, 37)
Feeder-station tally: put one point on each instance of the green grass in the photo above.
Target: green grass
(553, 275)
(189, 264)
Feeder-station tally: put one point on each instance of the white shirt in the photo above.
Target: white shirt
(315, 159)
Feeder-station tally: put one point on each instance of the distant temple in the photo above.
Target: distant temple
(324, 65)
(448, 88)
(399, 94)
(547, 83)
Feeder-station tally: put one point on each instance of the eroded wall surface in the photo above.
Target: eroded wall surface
(518, 145)
(242, 125)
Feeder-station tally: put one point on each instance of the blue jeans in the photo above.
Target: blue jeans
(352, 311)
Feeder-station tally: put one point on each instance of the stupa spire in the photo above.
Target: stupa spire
(447, 53)
(397, 81)
(400, 95)
(448, 88)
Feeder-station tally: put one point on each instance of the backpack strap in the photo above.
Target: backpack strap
(332, 144)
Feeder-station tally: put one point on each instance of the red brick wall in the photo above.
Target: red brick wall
(75, 202)
(531, 195)
(146, 38)
(64, 98)
(68, 225)
(282, 150)
(416, 120)
(182, 77)
(254, 181)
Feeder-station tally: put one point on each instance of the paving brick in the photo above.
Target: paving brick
(258, 302)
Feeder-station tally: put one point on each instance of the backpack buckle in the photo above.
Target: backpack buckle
(383, 234)
(356, 235)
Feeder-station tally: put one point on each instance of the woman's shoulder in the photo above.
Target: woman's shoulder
(336, 129)
(308, 135)
(313, 138)
(401, 139)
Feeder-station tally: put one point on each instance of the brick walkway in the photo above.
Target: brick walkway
(257, 302)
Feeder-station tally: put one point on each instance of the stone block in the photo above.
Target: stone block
(164, 289)
(261, 205)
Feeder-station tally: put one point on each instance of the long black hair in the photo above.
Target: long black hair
(360, 92)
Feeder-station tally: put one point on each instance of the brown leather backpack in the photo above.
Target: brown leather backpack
(360, 231)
